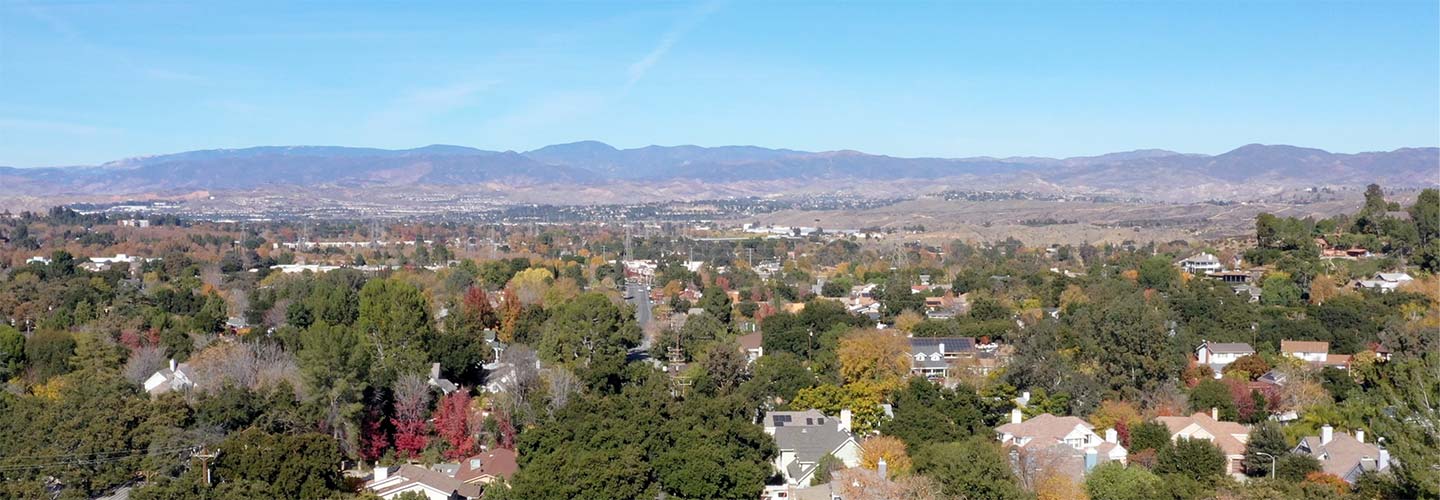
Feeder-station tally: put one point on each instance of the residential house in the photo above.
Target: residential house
(38, 259)
(803, 437)
(1385, 282)
(931, 357)
(435, 380)
(1050, 443)
(752, 346)
(1344, 455)
(1201, 263)
(172, 378)
(1230, 437)
(499, 377)
(1314, 352)
(488, 467)
(1218, 355)
(391, 482)
(947, 306)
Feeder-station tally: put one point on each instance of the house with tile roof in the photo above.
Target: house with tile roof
(1050, 443)
(803, 437)
(1230, 437)
(391, 482)
(1344, 455)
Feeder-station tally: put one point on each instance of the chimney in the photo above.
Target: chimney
(845, 416)
(1327, 433)
(1092, 457)
(1360, 436)
(381, 473)
(942, 348)
(1384, 462)
(883, 469)
(1024, 398)
(1111, 436)
(1214, 413)
(172, 364)
(1016, 417)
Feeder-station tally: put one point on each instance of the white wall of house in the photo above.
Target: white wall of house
(1318, 357)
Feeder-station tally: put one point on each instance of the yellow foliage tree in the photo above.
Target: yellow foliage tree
(530, 285)
(1323, 288)
(874, 355)
(1058, 486)
(1073, 294)
(907, 319)
(892, 449)
(1111, 412)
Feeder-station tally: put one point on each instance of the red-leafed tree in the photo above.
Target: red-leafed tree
(506, 427)
(453, 424)
(412, 401)
(477, 306)
(1122, 433)
(373, 438)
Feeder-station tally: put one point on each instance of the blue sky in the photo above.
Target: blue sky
(86, 82)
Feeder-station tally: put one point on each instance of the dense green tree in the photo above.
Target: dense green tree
(1115, 481)
(590, 335)
(1157, 272)
(12, 352)
(972, 468)
(48, 353)
(336, 365)
(1212, 393)
(777, 377)
(1266, 438)
(1294, 467)
(716, 303)
(1425, 213)
(1196, 459)
(394, 319)
(1149, 436)
(1130, 342)
(926, 413)
(293, 466)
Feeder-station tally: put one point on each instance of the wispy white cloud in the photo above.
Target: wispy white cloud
(694, 17)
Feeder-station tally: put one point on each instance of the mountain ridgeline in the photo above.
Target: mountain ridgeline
(593, 163)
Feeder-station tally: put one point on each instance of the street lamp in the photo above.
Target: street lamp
(1272, 462)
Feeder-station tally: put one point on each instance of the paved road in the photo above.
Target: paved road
(640, 298)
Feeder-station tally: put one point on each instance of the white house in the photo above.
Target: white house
(171, 378)
(1385, 282)
(1201, 263)
(1312, 351)
(803, 437)
(1218, 355)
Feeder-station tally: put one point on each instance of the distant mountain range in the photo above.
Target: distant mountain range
(1158, 173)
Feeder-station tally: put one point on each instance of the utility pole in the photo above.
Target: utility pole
(205, 459)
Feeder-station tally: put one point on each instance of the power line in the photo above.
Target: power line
(117, 456)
